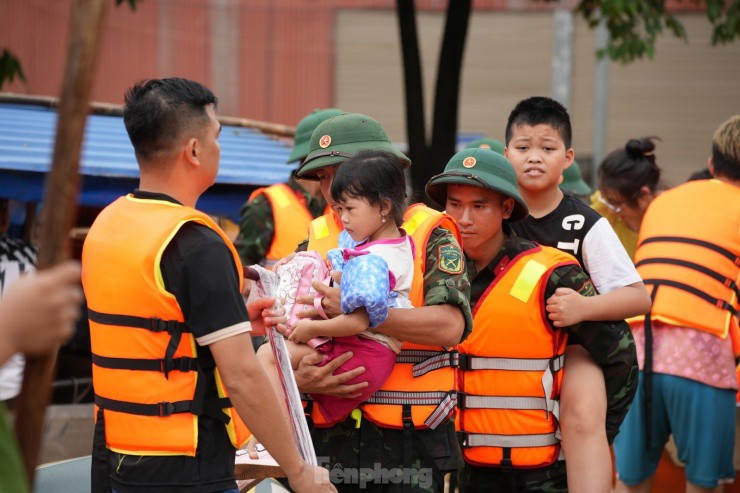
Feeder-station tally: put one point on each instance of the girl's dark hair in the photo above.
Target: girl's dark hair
(373, 175)
(629, 169)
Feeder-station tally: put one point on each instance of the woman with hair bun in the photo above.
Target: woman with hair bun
(629, 179)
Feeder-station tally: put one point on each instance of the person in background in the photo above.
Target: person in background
(275, 218)
(17, 258)
(37, 314)
(629, 180)
(538, 145)
(689, 257)
(486, 143)
(573, 182)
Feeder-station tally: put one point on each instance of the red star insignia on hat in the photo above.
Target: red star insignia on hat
(469, 162)
(484, 146)
(324, 141)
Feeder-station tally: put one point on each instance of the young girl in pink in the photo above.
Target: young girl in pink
(376, 259)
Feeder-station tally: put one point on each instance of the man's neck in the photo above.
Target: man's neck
(542, 202)
(487, 252)
(155, 184)
(727, 180)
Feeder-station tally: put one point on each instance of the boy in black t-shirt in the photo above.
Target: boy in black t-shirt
(538, 145)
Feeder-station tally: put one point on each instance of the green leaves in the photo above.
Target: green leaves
(634, 25)
(10, 68)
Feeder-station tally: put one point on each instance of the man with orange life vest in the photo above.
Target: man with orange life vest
(688, 254)
(173, 367)
(404, 437)
(511, 366)
(275, 218)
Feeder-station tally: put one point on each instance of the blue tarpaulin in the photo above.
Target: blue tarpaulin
(108, 169)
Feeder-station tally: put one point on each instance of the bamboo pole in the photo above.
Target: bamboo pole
(60, 205)
(97, 108)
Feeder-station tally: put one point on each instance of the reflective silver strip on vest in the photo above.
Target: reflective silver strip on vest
(445, 402)
(515, 364)
(496, 402)
(425, 361)
(509, 441)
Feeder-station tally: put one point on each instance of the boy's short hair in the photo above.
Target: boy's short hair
(726, 149)
(541, 110)
(158, 112)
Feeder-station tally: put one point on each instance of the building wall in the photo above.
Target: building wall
(276, 60)
(681, 96)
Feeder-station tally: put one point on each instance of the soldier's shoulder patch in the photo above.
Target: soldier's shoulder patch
(450, 259)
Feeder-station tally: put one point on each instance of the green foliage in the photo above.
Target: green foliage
(10, 68)
(634, 25)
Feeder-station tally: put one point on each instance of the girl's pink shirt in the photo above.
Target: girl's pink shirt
(689, 353)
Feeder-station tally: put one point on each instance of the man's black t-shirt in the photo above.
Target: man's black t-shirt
(198, 268)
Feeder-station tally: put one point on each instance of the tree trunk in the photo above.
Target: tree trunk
(447, 91)
(414, 94)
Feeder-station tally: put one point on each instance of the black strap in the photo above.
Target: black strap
(161, 409)
(690, 289)
(647, 375)
(152, 324)
(506, 463)
(726, 281)
(319, 154)
(179, 364)
(100, 473)
(408, 437)
(693, 241)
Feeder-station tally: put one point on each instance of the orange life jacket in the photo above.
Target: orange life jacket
(510, 369)
(689, 255)
(292, 218)
(420, 389)
(148, 378)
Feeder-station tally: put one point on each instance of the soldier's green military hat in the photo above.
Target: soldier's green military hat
(486, 143)
(573, 181)
(339, 138)
(304, 130)
(479, 168)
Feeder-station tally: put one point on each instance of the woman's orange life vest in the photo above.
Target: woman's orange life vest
(292, 218)
(689, 257)
(510, 369)
(420, 389)
(147, 376)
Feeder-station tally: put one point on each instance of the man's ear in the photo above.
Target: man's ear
(192, 150)
(710, 165)
(508, 208)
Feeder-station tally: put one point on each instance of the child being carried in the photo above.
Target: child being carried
(376, 259)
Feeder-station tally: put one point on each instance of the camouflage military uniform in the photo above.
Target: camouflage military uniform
(368, 457)
(257, 225)
(610, 344)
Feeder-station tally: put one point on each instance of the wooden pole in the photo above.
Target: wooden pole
(60, 205)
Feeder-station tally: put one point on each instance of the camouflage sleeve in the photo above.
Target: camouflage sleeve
(256, 229)
(610, 344)
(445, 277)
